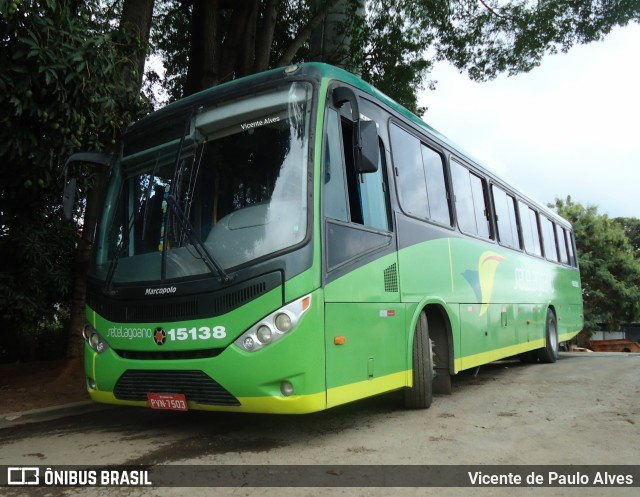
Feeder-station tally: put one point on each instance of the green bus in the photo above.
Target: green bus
(295, 240)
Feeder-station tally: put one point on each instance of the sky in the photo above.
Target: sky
(569, 127)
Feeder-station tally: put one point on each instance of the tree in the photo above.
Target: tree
(631, 226)
(70, 81)
(222, 40)
(394, 45)
(204, 43)
(60, 75)
(131, 44)
(609, 267)
(486, 37)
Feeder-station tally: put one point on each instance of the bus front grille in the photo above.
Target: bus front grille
(167, 355)
(195, 385)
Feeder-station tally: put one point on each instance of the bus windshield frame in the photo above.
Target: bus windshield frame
(211, 190)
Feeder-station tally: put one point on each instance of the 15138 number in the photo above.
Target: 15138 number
(201, 333)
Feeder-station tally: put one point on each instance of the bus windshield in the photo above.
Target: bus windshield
(226, 183)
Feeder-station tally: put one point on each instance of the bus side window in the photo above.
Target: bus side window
(535, 228)
(374, 195)
(349, 196)
(436, 186)
(353, 192)
(335, 194)
(572, 254)
(471, 201)
(420, 173)
(550, 246)
(530, 229)
(506, 217)
(407, 161)
(562, 244)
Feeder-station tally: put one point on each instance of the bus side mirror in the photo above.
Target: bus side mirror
(69, 194)
(365, 133)
(367, 147)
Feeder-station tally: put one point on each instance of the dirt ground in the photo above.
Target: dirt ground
(33, 385)
(583, 410)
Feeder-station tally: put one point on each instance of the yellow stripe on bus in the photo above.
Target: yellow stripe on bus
(354, 391)
(296, 404)
(497, 354)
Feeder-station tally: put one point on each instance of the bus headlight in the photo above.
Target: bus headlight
(274, 326)
(283, 322)
(264, 334)
(94, 339)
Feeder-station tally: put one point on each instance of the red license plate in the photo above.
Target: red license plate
(168, 401)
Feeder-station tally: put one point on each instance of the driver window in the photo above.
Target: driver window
(348, 196)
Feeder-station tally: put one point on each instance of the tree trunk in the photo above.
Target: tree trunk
(305, 33)
(204, 53)
(247, 54)
(235, 39)
(331, 38)
(264, 38)
(75, 344)
(135, 26)
(225, 47)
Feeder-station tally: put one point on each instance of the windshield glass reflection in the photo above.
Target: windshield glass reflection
(237, 172)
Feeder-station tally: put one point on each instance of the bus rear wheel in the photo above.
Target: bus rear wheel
(420, 395)
(549, 353)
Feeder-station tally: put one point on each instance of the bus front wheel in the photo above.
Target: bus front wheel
(549, 353)
(420, 395)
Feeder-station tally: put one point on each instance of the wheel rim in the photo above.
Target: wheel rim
(553, 336)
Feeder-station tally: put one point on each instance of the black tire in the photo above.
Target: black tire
(549, 353)
(420, 395)
(440, 354)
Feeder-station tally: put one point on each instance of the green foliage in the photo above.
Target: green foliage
(170, 42)
(392, 46)
(386, 45)
(402, 39)
(293, 16)
(631, 226)
(68, 82)
(171, 37)
(396, 43)
(609, 266)
(486, 37)
(61, 90)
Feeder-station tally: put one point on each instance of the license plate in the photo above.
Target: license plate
(167, 401)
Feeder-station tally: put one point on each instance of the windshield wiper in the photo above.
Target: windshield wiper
(197, 243)
(111, 272)
(112, 269)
